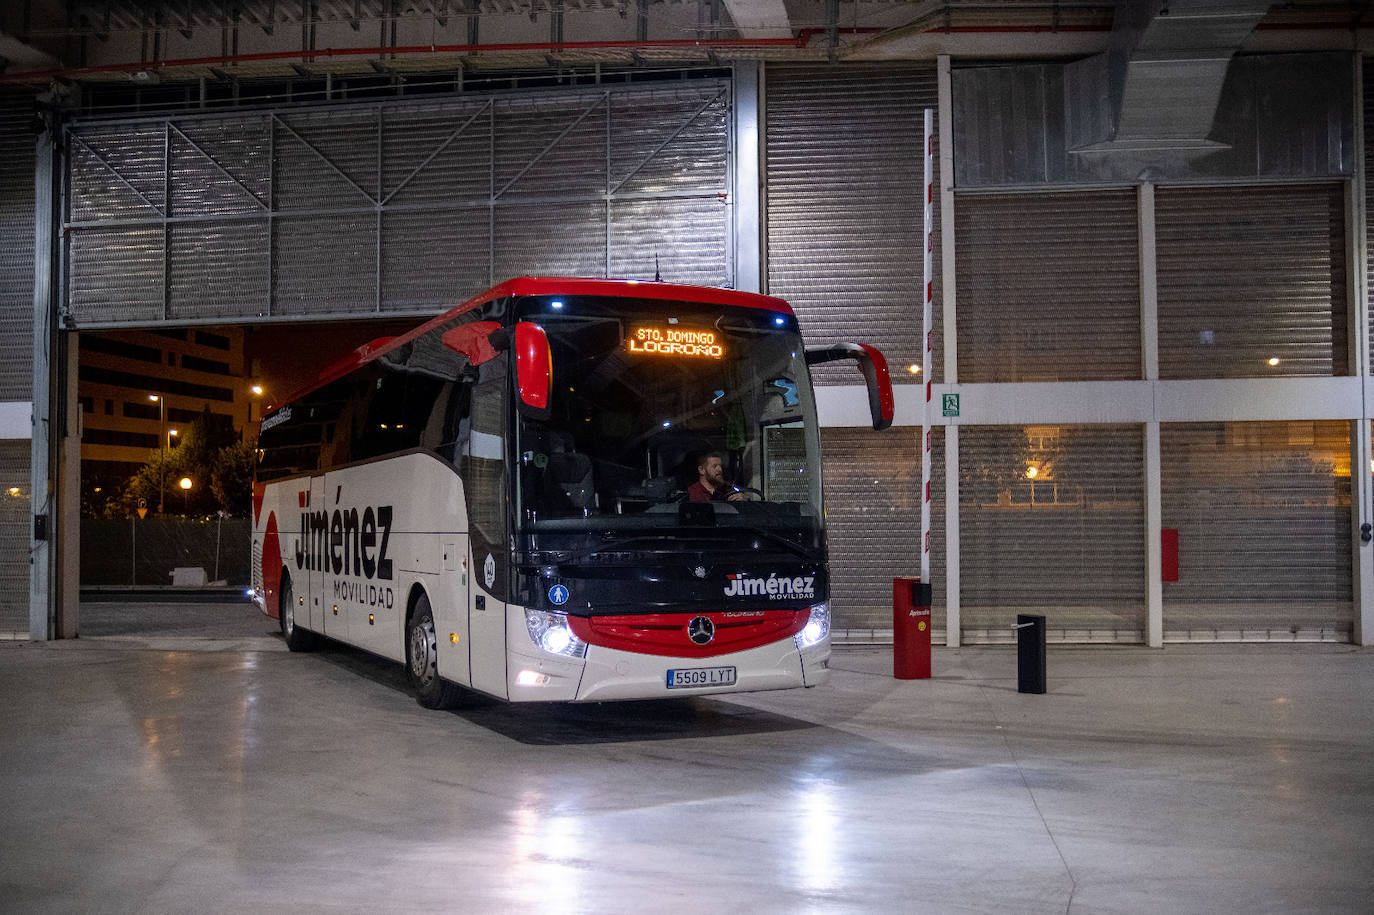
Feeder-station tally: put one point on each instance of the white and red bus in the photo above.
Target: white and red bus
(498, 498)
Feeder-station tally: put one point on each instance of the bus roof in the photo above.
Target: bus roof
(546, 285)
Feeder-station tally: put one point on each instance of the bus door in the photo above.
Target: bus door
(450, 604)
(485, 486)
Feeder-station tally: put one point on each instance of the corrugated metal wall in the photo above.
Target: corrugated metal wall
(1262, 512)
(1248, 275)
(1049, 287)
(16, 347)
(398, 207)
(1052, 522)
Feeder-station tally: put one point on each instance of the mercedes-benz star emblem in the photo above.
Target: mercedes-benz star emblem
(701, 630)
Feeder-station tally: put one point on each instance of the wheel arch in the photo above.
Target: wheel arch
(274, 597)
(417, 591)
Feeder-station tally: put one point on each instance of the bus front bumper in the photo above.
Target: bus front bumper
(607, 674)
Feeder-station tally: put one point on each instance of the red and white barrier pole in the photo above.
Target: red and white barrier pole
(927, 318)
(911, 617)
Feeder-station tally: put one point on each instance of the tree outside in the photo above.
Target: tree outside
(209, 454)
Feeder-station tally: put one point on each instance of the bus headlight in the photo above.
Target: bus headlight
(550, 632)
(816, 628)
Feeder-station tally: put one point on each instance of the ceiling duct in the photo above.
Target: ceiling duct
(1158, 85)
(760, 18)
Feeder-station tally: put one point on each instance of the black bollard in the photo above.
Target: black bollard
(1030, 654)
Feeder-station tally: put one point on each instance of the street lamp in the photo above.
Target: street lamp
(185, 485)
(257, 390)
(161, 443)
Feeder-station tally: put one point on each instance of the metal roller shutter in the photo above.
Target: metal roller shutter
(1368, 141)
(844, 245)
(396, 206)
(16, 524)
(16, 349)
(1248, 275)
(1262, 512)
(16, 244)
(844, 206)
(1049, 287)
(873, 523)
(1052, 522)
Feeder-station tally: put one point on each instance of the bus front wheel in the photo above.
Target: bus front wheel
(422, 660)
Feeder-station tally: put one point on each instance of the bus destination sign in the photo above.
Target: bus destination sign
(672, 341)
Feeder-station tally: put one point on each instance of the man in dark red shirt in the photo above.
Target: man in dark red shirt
(710, 485)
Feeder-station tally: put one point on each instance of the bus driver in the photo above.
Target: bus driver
(710, 485)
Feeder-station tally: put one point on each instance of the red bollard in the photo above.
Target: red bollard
(910, 629)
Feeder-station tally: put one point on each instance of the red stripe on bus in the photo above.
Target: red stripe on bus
(665, 634)
(271, 567)
(550, 285)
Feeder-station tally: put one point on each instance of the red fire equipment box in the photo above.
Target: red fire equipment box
(911, 624)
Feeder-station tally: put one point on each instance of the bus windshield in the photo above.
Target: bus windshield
(642, 390)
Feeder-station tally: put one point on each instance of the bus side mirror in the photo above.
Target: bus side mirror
(480, 341)
(874, 368)
(533, 369)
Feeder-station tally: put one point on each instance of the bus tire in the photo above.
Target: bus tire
(297, 639)
(422, 660)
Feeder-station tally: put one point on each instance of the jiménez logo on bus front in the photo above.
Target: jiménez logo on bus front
(772, 587)
(347, 542)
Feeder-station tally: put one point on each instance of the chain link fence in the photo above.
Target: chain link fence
(144, 552)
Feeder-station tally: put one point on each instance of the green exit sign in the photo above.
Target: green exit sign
(950, 404)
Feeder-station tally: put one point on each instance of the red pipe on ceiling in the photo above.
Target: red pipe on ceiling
(802, 40)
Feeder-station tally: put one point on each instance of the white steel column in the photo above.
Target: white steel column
(1149, 357)
(1154, 586)
(951, 354)
(748, 166)
(1361, 469)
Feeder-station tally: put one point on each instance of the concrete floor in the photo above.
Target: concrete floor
(217, 772)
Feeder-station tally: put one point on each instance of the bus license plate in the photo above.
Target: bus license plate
(689, 677)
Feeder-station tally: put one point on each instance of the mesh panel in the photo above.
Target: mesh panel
(278, 213)
(1249, 275)
(1052, 522)
(1048, 287)
(680, 234)
(873, 521)
(1262, 512)
(144, 552)
(217, 268)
